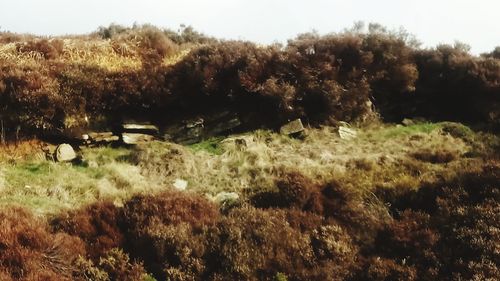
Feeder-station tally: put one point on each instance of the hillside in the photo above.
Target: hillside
(412, 194)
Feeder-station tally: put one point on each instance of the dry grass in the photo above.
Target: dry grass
(110, 55)
(47, 187)
(381, 158)
(372, 160)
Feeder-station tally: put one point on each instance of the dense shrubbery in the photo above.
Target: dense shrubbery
(443, 231)
(322, 79)
(30, 252)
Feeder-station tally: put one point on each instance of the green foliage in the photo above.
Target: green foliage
(211, 145)
(280, 277)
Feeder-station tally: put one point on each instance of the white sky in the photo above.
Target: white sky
(475, 22)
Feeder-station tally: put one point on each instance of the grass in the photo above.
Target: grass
(400, 130)
(49, 187)
(387, 157)
(321, 197)
(211, 145)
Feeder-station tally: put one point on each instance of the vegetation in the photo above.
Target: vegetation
(418, 201)
(53, 84)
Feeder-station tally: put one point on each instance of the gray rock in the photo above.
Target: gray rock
(65, 153)
(225, 199)
(136, 138)
(103, 137)
(221, 126)
(408, 122)
(294, 127)
(194, 130)
(347, 133)
(147, 129)
(180, 184)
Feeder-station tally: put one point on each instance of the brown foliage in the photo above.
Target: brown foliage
(49, 49)
(30, 252)
(333, 201)
(97, 225)
(253, 244)
(448, 230)
(162, 228)
(321, 79)
(435, 157)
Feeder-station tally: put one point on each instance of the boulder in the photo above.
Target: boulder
(180, 184)
(227, 200)
(136, 138)
(65, 153)
(196, 129)
(408, 122)
(293, 128)
(347, 133)
(103, 137)
(140, 128)
(222, 197)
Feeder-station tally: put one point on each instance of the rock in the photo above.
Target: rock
(140, 128)
(180, 184)
(136, 138)
(408, 122)
(196, 129)
(292, 128)
(226, 196)
(65, 153)
(198, 122)
(226, 199)
(347, 133)
(104, 137)
(221, 126)
(240, 143)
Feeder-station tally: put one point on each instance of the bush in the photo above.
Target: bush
(31, 252)
(166, 232)
(98, 225)
(49, 49)
(253, 244)
(448, 230)
(333, 201)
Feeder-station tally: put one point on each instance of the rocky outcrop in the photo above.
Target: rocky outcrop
(194, 130)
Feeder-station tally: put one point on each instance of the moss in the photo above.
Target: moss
(211, 145)
(399, 130)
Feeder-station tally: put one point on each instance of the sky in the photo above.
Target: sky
(474, 22)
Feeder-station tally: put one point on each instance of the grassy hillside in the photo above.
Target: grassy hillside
(419, 201)
(376, 207)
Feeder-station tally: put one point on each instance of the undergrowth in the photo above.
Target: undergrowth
(395, 203)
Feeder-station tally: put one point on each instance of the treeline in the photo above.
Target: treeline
(164, 75)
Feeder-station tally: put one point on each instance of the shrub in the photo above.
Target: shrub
(447, 230)
(98, 225)
(166, 232)
(31, 252)
(118, 266)
(333, 201)
(253, 244)
(49, 49)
